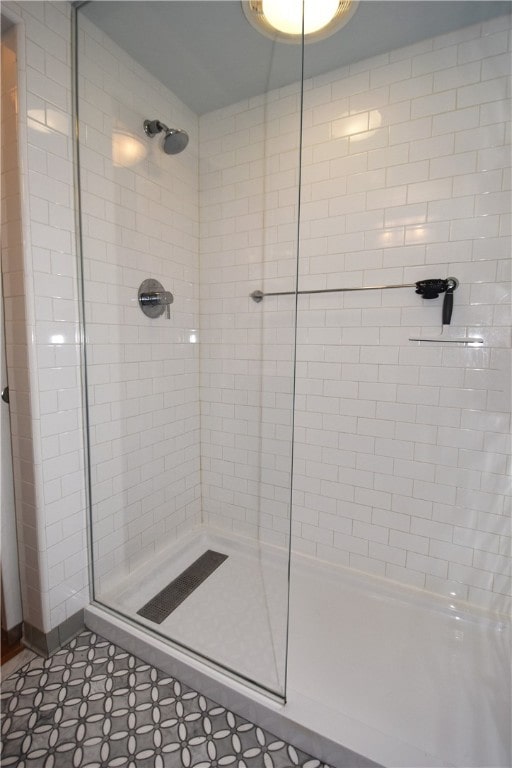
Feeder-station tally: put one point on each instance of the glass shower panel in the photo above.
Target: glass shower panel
(189, 155)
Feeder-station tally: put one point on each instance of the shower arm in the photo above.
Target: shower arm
(154, 127)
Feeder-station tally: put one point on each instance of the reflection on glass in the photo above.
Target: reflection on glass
(127, 149)
(191, 430)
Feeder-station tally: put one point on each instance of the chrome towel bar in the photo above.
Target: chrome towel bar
(258, 296)
(429, 289)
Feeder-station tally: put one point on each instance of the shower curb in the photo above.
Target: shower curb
(251, 704)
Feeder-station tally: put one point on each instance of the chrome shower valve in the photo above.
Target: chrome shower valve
(154, 300)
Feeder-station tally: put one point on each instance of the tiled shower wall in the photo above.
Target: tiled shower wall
(249, 173)
(42, 333)
(14, 343)
(140, 220)
(402, 449)
(406, 172)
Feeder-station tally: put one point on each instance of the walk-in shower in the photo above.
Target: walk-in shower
(299, 466)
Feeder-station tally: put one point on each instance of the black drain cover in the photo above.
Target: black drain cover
(170, 597)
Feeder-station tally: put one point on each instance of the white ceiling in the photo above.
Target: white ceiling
(208, 54)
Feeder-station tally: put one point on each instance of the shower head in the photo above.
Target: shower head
(175, 139)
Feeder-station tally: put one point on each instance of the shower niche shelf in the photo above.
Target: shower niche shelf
(468, 341)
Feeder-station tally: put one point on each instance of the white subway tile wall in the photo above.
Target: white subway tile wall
(420, 490)
(42, 332)
(402, 450)
(249, 171)
(140, 220)
(14, 315)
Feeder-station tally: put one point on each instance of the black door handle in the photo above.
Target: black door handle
(5, 394)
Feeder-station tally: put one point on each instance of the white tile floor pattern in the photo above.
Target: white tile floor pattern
(94, 705)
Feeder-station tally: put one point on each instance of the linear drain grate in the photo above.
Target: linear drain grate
(170, 597)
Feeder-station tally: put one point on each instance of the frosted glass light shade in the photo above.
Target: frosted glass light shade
(286, 15)
(282, 19)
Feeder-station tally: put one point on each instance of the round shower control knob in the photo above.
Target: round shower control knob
(154, 300)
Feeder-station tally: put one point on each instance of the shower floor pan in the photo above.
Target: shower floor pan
(375, 672)
(236, 616)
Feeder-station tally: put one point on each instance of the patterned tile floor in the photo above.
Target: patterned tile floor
(94, 705)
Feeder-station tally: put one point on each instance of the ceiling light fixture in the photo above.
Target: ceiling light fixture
(282, 19)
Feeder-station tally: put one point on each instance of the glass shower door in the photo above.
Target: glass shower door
(189, 155)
